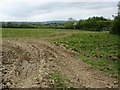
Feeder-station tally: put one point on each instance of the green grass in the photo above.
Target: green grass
(30, 33)
(25, 32)
(99, 49)
(60, 80)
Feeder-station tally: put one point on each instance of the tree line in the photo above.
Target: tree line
(31, 25)
(91, 24)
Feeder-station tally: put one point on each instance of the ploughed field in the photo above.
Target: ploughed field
(59, 58)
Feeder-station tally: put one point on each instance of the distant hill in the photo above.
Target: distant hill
(44, 22)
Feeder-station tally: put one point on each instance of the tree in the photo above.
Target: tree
(70, 23)
(116, 23)
(9, 25)
(94, 24)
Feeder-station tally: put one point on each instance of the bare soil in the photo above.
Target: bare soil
(28, 62)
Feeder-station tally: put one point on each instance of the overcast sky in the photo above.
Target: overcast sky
(37, 10)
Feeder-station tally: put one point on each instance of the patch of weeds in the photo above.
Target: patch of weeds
(60, 80)
(104, 65)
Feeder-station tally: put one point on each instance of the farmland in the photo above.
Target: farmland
(60, 53)
(96, 48)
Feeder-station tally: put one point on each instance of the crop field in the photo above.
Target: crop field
(66, 55)
(98, 49)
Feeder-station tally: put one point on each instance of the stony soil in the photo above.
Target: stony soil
(28, 62)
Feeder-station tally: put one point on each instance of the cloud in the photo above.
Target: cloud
(35, 10)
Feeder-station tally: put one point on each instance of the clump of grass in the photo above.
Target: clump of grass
(60, 80)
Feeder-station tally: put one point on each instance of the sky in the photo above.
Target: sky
(49, 10)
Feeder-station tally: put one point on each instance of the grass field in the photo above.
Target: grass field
(99, 49)
(31, 33)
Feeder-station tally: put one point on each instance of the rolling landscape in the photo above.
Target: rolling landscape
(61, 54)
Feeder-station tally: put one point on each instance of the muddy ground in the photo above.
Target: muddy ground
(28, 62)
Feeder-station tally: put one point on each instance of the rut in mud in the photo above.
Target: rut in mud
(28, 62)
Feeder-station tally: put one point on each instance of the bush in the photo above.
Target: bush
(94, 24)
(116, 25)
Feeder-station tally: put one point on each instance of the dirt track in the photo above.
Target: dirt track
(27, 63)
